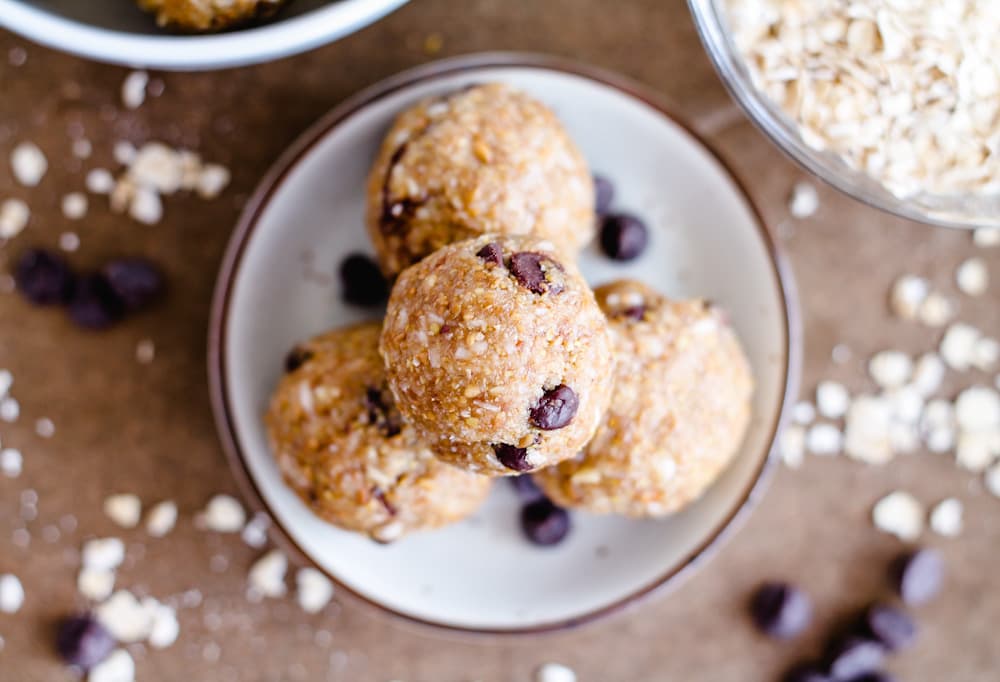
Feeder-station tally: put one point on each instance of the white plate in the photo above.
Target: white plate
(481, 575)
(117, 31)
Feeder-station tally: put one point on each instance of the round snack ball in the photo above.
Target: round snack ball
(498, 354)
(341, 445)
(678, 412)
(209, 15)
(486, 159)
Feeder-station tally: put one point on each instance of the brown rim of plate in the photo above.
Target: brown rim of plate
(304, 144)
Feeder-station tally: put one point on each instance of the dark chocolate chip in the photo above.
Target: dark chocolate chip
(623, 237)
(362, 281)
(44, 277)
(512, 456)
(526, 489)
(136, 281)
(94, 304)
(83, 642)
(382, 411)
(604, 193)
(544, 523)
(890, 626)
(806, 672)
(531, 270)
(877, 676)
(781, 610)
(555, 409)
(854, 657)
(636, 313)
(491, 253)
(297, 357)
(918, 576)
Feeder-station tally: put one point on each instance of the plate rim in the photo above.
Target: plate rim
(271, 183)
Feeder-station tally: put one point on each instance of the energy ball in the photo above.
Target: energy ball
(486, 159)
(498, 354)
(678, 412)
(341, 444)
(209, 15)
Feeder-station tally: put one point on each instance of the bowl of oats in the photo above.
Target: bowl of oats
(894, 103)
(188, 35)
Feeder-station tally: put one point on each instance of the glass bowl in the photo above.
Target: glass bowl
(958, 211)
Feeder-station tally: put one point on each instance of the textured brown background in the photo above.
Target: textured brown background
(122, 426)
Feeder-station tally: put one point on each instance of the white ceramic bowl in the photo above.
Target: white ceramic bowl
(117, 31)
(276, 287)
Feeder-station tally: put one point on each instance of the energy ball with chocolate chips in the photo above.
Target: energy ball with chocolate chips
(342, 446)
(209, 15)
(498, 355)
(486, 159)
(678, 412)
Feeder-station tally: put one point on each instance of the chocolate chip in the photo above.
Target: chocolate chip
(512, 456)
(781, 610)
(297, 357)
(136, 282)
(604, 193)
(362, 281)
(890, 626)
(877, 676)
(94, 304)
(44, 277)
(491, 253)
(83, 642)
(555, 409)
(526, 489)
(623, 237)
(806, 672)
(918, 576)
(544, 523)
(382, 411)
(534, 272)
(853, 657)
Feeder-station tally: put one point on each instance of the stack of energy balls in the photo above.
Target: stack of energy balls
(495, 358)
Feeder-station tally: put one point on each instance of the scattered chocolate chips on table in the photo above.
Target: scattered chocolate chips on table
(806, 672)
(44, 277)
(526, 489)
(544, 523)
(362, 281)
(624, 237)
(918, 576)
(94, 304)
(136, 281)
(83, 642)
(781, 610)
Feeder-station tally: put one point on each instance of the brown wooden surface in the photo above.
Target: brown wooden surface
(147, 429)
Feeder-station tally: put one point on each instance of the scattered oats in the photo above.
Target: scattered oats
(890, 368)
(986, 354)
(211, 652)
(824, 439)
(936, 310)
(928, 374)
(69, 241)
(832, 399)
(946, 517)
(840, 354)
(45, 428)
(6, 381)
(992, 480)
(940, 439)
(972, 277)
(191, 599)
(82, 149)
(218, 563)
(978, 409)
(146, 206)
(899, 514)
(255, 532)
(74, 205)
(907, 404)
(14, 216)
(11, 593)
(100, 181)
(156, 87)
(124, 509)
(125, 617)
(958, 346)
(21, 537)
(803, 413)
(554, 672)
(267, 575)
(976, 450)
(124, 152)
(161, 519)
(158, 167)
(10, 409)
(145, 351)
(165, 628)
(118, 667)
(907, 295)
(68, 523)
(903, 438)
(224, 514)
(866, 433)
(11, 462)
(103, 554)
(29, 164)
(134, 89)
(804, 200)
(314, 590)
(212, 179)
(95, 584)
(51, 534)
(986, 236)
(17, 56)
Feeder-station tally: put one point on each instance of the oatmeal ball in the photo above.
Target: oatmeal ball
(498, 354)
(209, 15)
(487, 159)
(678, 412)
(342, 446)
